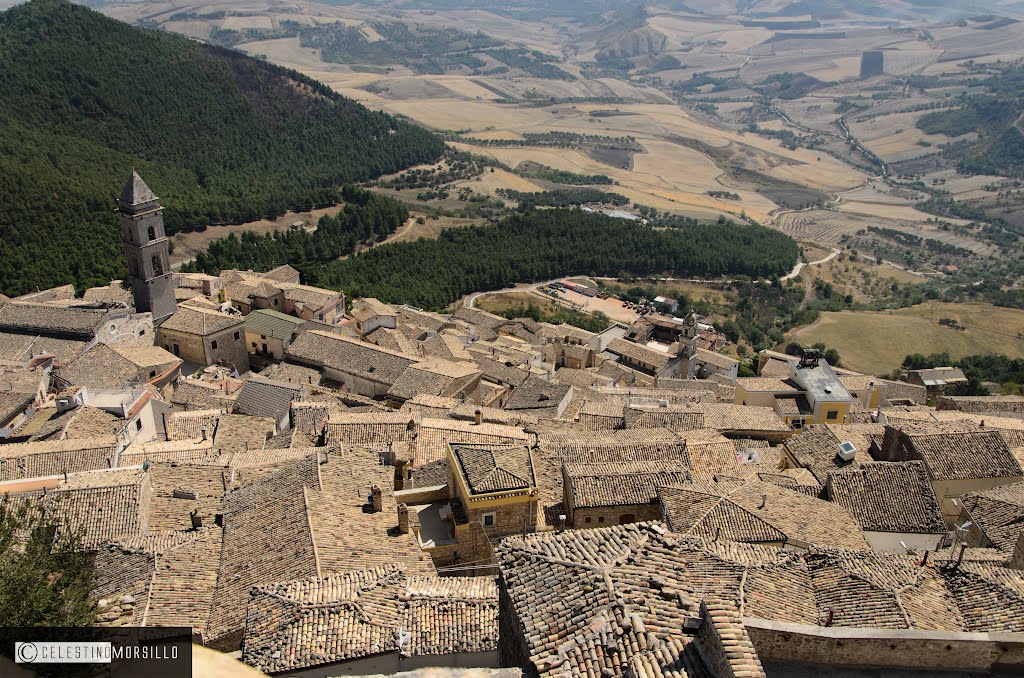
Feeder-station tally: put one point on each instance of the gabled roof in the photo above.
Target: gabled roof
(200, 321)
(260, 397)
(350, 356)
(888, 497)
(803, 519)
(998, 513)
(296, 625)
(274, 324)
(963, 454)
(620, 484)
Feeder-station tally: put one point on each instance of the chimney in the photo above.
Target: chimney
(203, 433)
(403, 518)
(197, 520)
(376, 500)
(478, 417)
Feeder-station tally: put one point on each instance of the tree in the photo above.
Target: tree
(45, 578)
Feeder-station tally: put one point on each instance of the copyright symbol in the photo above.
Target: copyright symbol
(27, 653)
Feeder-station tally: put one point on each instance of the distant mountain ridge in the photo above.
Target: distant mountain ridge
(220, 137)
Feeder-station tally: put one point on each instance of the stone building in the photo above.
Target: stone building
(146, 247)
(602, 494)
(203, 336)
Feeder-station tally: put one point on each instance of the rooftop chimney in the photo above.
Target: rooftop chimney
(478, 417)
(403, 519)
(197, 520)
(376, 499)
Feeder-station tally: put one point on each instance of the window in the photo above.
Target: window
(587, 520)
(254, 344)
(600, 519)
(151, 233)
(213, 344)
(152, 373)
(488, 519)
(797, 424)
(275, 302)
(138, 424)
(832, 416)
(237, 335)
(158, 266)
(142, 332)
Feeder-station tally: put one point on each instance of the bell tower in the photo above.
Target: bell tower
(145, 246)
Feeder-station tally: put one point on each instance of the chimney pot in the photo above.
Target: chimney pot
(478, 417)
(376, 499)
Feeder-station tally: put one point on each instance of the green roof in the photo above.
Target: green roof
(272, 324)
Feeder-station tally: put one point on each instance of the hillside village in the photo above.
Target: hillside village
(329, 486)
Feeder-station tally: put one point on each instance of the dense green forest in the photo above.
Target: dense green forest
(367, 217)
(538, 245)
(546, 244)
(994, 116)
(220, 137)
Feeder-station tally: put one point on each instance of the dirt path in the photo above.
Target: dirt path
(800, 264)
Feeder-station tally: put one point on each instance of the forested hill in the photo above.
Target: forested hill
(220, 137)
(538, 245)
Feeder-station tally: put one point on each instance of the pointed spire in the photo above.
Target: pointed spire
(136, 192)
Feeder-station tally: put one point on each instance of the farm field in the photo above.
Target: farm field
(877, 342)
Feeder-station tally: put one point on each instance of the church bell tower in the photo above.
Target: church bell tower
(145, 246)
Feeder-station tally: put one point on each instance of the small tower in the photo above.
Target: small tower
(145, 246)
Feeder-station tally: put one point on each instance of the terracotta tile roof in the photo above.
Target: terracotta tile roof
(620, 484)
(804, 520)
(983, 404)
(238, 433)
(52, 320)
(538, 395)
(998, 513)
(103, 367)
(293, 374)
(434, 435)
(350, 356)
(196, 394)
(888, 497)
(190, 425)
(54, 457)
(91, 423)
(637, 353)
(19, 347)
(97, 506)
(174, 484)
(674, 417)
(768, 384)
(376, 429)
(618, 446)
(501, 372)
(605, 601)
(300, 624)
(368, 307)
(963, 454)
(494, 468)
(200, 321)
(892, 390)
(183, 451)
(816, 449)
(729, 417)
(394, 340)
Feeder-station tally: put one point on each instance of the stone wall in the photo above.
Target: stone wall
(725, 643)
(603, 516)
(886, 648)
